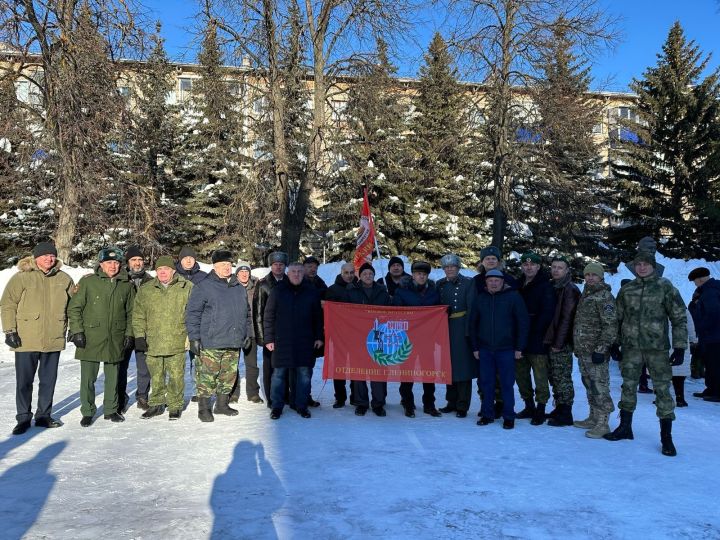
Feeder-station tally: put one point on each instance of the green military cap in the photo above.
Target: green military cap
(165, 260)
(531, 256)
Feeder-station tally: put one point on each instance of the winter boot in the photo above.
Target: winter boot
(668, 448)
(155, 410)
(222, 407)
(589, 422)
(498, 409)
(624, 430)
(679, 387)
(528, 411)
(204, 412)
(563, 417)
(539, 417)
(600, 428)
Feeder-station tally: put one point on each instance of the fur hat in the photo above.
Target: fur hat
(699, 272)
(450, 260)
(278, 256)
(421, 266)
(133, 251)
(594, 268)
(221, 255)
(44, 248)
(366, 266)
(165, 260)
(490, 251)
(110, 253)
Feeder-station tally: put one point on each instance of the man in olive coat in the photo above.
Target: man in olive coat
(33, 318)
(159, 329)
(100, 315)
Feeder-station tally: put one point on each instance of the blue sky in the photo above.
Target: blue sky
(644, 25)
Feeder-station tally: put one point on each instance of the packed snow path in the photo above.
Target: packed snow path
(340, 476)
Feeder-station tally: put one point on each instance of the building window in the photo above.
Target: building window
(597, 128)
(185, 88)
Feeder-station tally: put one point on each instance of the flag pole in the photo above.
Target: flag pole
(372, 223)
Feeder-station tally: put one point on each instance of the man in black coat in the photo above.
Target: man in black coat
(310, 266)
(539, 296)
(367, 292)
(418, 291)
(278, 261)
(337, 292)
(293, 329)
(705, 311)
(395, 275)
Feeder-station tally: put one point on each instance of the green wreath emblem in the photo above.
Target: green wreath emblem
(398, 357)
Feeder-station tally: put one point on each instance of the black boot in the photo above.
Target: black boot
(679, 387)
(21, 427)
(222, 407)
(563, 417)
(498, 409)
(155, 410)
(204, 412)
(624, 430)
(528, 411)
(668, 448)
(539, 416)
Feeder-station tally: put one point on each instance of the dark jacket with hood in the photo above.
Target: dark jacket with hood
(218, 313)
(194, 275)
(560, 332)
(539, 297)
(499, 322)
(293, 321)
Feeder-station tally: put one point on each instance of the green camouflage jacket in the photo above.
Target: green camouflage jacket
(644, 307)
(595, 328)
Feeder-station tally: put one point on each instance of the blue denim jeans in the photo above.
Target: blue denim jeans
(502, 362)
(301, 391)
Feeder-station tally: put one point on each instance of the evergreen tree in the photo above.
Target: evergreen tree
(372, 151)
(211, 161)
(561, 196)
(666, 160)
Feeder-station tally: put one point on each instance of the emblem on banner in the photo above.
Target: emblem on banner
(388, 343)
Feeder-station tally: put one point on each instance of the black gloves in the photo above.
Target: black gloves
(615, 352)
(128, 343)
(79, 340)
(12, 340)
(141, 344)
(598, 358)
(195, 347)
(677, 357)
(247, 342)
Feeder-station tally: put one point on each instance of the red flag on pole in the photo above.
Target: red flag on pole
(366, 236)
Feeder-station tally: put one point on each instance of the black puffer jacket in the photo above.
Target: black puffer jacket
(260, 298)
(539, 297)
(376, 295)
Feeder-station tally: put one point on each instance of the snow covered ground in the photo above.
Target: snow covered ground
(341, 476)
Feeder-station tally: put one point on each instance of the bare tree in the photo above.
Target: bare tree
(503, 41)
(335, 33)
(68, 51)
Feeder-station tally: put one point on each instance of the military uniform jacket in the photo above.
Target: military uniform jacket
(595, 327)
(34, 303)
(644, 307)
(459, 296)
(102, 309)
(159, 315)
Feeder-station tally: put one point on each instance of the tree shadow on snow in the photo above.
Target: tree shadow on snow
(245, 497)
(25, 489)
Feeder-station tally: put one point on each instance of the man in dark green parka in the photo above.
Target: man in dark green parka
(100, 316)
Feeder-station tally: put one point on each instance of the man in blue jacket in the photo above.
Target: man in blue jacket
(498, 334)
(219, 324)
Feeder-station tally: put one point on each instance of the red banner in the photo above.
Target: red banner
(366, 236)
(380, 343)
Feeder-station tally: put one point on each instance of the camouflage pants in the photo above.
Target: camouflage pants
(539, 364)
(596, 379)
(561, 365)
(661, 373)
(167, 380)
(216, 371)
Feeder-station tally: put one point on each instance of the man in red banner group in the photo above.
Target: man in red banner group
(498, 329)
(367, 292)
(418, 291)
(458, 293)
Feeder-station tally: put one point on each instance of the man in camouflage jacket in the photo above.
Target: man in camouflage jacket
(645, 305)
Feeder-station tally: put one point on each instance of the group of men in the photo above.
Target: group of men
(502, 331)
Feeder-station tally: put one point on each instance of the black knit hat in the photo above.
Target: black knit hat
(699, 272)
(421, 266)
(44, 248)
(396, 260)
(366, 266)
(222, 255)
(311, 260)
(187, 251)
(133, 251)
